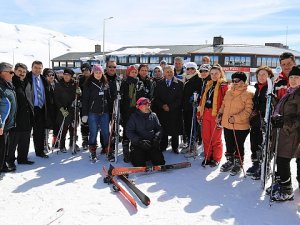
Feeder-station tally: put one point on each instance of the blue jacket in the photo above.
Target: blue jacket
(8, 105)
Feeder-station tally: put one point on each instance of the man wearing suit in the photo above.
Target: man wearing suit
(39, 95)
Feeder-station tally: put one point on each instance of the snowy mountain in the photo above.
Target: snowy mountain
(73, 186)
(24, 43)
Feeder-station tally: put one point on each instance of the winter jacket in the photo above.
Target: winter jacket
(131, 90)
(191, 85)
(64, 95)
(8, 105)
(216, 97)
(237, 103)
(280, 86)
(46, 94)
(259, 104)
(147, 86)
(95, 97)
(142, 126)
(289, 135)
(172, 96)
(25, 112)
(52, 110)
(112, 82)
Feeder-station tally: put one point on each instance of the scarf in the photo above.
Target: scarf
(215, 97)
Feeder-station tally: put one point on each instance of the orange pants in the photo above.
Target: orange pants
(211, 137)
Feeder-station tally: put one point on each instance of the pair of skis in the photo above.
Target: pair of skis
(122, 173)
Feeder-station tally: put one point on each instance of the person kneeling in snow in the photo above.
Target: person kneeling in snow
(144, 131)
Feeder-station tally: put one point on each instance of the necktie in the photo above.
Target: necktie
(39, 93)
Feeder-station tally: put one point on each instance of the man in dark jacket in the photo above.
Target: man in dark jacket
(8, 109)
(39, 94)
(168, 101)
(144, 132)
(20, 135)
(64, 96)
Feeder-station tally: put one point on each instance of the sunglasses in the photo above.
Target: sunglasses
(190, 68)
(10, 72)
(112, 67)
(203, 71)
(236, 80)
(50, 75)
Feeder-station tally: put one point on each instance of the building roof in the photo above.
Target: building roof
(243, 49)
(72, 56)
(156, 50)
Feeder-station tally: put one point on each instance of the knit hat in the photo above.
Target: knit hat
(295, 71)
(69, 71)
(240, 75)
(191, 65)
(142, 101)
(97, 67)
(205, 67)
(85, 66)
(129, 69)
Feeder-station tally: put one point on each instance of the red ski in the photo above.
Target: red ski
(117, 187)
(128, 170)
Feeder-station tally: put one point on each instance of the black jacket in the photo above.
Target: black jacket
(25, 112)
(142, 126)
(147, 86)
(95, 97)
(259, 105)
(128, 100)
(64, 95)
(172, 96)
(192, 85)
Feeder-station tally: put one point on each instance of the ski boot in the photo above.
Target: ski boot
(253, 169)
(126, 152)
(228, 165)
(84, 142)
(284, 193)
(237, 168)
(93, 154)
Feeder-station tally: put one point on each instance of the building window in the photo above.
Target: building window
(70, 64)
(198, 59)
(226, 61)
(297, 61)
(258, 61)
(77, 64)
(154, 59)
(274, 62)
(144, 59)
(55, 64)
(62, 64)
(214, 59)
(263, 61)
(168, 59)
(122, 59)
(248, 61)
(132, 59)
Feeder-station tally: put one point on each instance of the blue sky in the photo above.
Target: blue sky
(159, 22)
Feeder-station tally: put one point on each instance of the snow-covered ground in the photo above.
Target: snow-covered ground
(195, 195)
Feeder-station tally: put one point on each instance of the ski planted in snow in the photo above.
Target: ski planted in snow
(144, 198)
(128, 170)
(265, 158)
(117, 187)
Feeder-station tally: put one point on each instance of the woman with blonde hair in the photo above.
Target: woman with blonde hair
(209, 105)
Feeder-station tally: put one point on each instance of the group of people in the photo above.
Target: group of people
(155, 111)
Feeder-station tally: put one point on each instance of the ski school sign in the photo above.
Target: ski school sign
(236, 69)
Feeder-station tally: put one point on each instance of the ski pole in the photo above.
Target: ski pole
(59, 134)
(238, 149)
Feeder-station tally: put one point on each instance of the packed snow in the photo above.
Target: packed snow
(73, 186)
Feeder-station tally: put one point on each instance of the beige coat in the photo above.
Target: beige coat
(237, 103)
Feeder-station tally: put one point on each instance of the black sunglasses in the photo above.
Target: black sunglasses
(190, 68)
(203, 71)
(236, 80)
(114, 67)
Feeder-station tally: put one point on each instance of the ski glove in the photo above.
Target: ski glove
(64, 112)
(84, 119)
(277, 121)
(145, 144)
